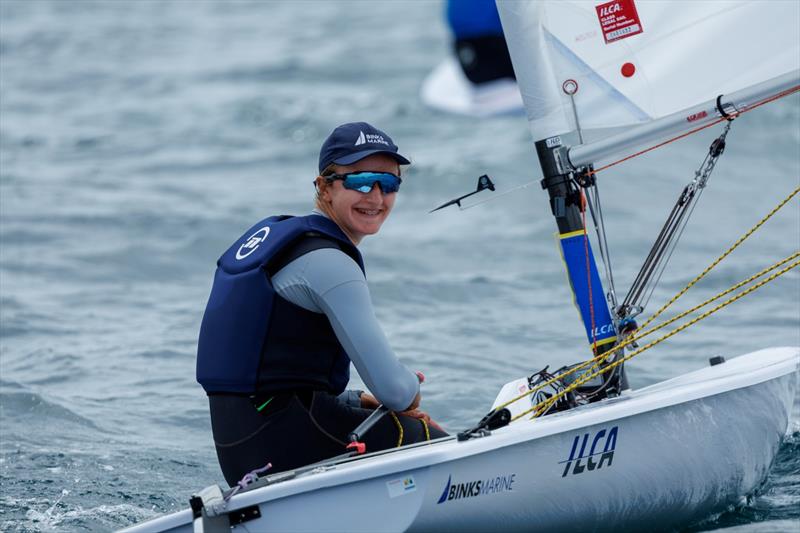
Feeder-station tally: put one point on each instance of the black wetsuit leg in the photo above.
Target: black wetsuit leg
(296, 431)
(282, 434)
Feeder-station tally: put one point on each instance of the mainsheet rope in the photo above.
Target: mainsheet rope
(637, 336)
(633, 338)
(542, 407)
(720, 258)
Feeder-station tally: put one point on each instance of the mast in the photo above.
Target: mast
(563, 185)
(644, 68)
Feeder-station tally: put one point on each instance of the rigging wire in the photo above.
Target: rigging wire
(719, 295)
(637, 334)
(719, 259)
(592, 172)
(670, 252)
(597, 369)
(661, 252)
(538, 409)
(641, 332)
(605, 245)
(630, 341)
(596, 211)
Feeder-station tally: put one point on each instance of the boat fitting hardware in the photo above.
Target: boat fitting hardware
(495, 419)
(484, 182)
(211, 514)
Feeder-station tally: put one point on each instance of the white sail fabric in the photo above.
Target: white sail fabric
(635, 61)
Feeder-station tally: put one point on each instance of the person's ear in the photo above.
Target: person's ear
(322, 188)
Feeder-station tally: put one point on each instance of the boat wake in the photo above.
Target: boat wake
(44, 516)
(772, 508)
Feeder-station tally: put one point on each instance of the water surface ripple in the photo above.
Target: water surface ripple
(138, 138)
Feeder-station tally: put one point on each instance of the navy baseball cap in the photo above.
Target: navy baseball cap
(353, 142)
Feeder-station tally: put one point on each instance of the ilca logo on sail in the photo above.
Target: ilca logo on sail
(252, 243)
(601, 443)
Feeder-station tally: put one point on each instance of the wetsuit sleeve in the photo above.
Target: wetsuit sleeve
(329, 281)
(351, 397)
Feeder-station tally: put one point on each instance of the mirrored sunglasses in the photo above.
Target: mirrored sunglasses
(364, 181)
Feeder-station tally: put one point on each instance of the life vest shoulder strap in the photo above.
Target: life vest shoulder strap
(308, 243)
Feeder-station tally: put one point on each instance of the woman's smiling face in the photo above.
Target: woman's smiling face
(359, 214)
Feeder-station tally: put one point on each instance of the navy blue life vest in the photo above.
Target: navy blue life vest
(251, 339)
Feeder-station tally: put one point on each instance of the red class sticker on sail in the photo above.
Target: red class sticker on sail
(618, 20)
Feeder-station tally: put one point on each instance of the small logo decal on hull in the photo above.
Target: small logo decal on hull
(401, 486)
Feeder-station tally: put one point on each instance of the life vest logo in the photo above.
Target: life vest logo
(480, 487)
(252, 243)
(602, 439)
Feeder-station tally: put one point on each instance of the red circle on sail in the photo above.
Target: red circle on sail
(628, 70)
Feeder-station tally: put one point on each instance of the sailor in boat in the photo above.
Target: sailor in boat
(290, 309)
(479, 43)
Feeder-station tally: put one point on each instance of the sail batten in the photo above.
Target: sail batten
(637, 62)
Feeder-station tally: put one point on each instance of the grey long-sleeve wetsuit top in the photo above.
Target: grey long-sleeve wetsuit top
(329, 281)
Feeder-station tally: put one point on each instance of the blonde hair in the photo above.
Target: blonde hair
(327, 171)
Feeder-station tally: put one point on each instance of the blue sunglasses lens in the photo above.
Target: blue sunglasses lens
(364, 181)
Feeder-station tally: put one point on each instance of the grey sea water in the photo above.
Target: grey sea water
(138, 138)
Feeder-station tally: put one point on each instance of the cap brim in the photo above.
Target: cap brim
(349, 159)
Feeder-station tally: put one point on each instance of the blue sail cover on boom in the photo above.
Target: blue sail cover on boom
(573, 249)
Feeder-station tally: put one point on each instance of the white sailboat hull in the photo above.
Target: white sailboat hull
(655, 458)
(447, 89)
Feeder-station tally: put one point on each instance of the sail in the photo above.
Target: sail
(635, 61)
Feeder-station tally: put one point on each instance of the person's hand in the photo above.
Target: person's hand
(414, 403)
(368, 401)
(422, 415)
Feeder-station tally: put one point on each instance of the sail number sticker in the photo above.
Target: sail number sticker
(552, 142)
(618, 20)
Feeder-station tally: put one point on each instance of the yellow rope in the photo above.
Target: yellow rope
(635, 337)
(543, 406)
(719, 259)
(427, 431)
(399, 429)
